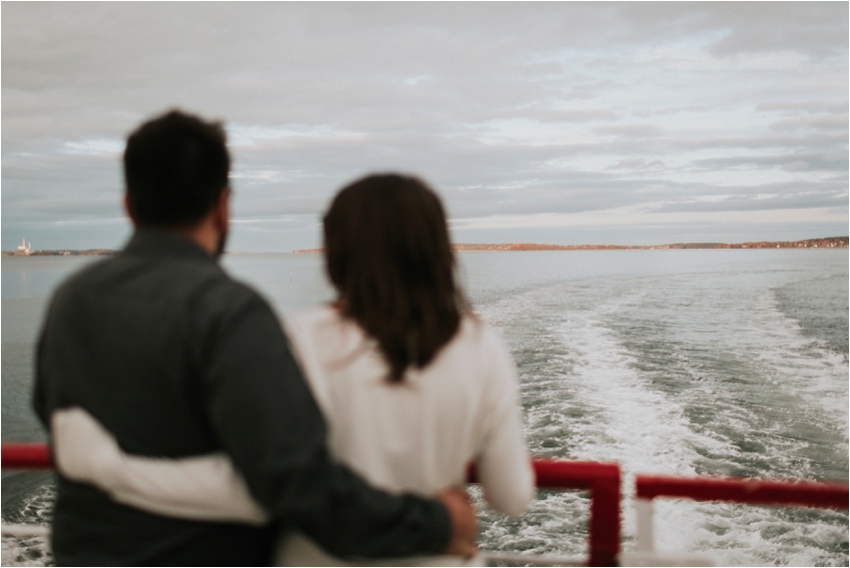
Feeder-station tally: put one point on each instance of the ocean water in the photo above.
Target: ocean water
(677, 362)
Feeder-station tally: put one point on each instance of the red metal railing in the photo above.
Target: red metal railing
(749, 491)
(27, 456)
(600, 479)
(805, 494)
(603, 482)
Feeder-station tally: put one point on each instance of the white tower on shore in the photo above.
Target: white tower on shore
(24, 248)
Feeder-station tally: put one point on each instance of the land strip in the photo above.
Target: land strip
(829, 242)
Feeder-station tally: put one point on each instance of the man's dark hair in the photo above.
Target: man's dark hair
(175, 168)
(388, 255)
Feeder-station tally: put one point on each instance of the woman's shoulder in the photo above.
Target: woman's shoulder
(491, 350)
(477, 340)
(308, 320)
(312, 315)
(477, 330)
(322, 329)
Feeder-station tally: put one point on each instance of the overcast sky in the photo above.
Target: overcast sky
(634, 123)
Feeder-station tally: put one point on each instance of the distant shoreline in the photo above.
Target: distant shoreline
(60, 252)
(828, 242)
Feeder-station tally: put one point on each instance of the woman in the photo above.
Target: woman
(413, 386)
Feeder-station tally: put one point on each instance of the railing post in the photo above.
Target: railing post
(603, 482)
(645, 537)
(605, 516)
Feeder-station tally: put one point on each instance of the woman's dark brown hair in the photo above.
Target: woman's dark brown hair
(388, 256)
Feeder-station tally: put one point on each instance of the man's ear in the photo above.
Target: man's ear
(223, 210)
(128, 207)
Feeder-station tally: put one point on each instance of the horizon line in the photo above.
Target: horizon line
(836, 242)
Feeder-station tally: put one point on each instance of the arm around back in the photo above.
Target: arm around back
(204, 487)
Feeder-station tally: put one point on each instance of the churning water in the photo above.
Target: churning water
(684, 362)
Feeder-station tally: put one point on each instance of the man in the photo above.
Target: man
(177, 359)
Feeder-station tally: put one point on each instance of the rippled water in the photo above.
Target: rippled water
(668, 362)
(695, 362)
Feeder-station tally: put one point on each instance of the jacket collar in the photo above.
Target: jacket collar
(161, 243)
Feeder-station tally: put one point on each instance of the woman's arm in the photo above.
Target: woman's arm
(504, 466)
(202, 488)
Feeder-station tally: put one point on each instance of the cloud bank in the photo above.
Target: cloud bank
(554, 122)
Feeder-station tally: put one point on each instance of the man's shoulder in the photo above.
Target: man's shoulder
(83, 279)
(209, 286)
(159, 280)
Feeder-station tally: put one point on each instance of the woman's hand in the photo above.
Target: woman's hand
(464, 523)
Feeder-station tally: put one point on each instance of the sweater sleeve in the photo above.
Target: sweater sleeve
(202, 488)
(504, 466)
(270, 425)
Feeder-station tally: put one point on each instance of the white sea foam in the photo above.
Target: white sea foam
(26, 551)
(643, 430)
(804, 365)
(724, 347)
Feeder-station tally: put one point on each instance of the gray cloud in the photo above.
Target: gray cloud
(801, 200)
(637, 164)
(789, 162)
(631, 131)
(807, 107)
(833, 122)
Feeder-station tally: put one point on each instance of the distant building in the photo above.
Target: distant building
(24, 248)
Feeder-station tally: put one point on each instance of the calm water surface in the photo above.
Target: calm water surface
(730, 362)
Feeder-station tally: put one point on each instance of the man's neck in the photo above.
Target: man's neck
(209, 233)
(203, 235)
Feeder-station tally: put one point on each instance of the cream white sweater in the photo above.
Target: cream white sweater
(419, 435)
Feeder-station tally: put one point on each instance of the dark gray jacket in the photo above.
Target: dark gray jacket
(177, 359)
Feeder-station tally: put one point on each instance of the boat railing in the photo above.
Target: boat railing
(26, 456)
(602, 481)
(744, 491)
